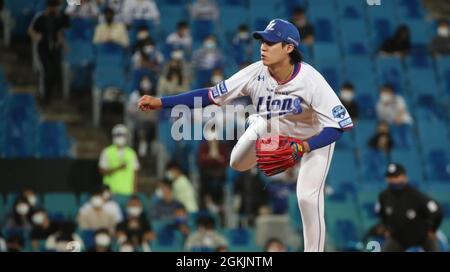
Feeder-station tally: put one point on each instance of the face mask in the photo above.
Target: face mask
(443, 31)
(38, 218)
(22, 209)
(126, 248)
(244, 35)
(142, 35)
(347, 95)
(210, 45)
(134, 211)
(149, 49)
(159, 193)
(177, 55)
(146, 85)
(106, 195)
(386, 97)
(32, 200)
(170, 175)
(102, 240)
(96, 201)
(120, 140)
(397, 186)
(216, 79)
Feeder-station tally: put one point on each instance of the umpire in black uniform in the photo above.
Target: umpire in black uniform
(410, 217)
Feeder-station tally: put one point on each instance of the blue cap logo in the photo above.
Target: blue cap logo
(279, 30)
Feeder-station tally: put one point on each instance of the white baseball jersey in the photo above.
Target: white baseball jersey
(304, 105)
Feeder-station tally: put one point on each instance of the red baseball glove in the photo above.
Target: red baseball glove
(275, 154)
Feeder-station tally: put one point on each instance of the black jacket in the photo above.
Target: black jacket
(408, 215)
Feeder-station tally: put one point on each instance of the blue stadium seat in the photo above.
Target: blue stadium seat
(403, 136)
(170, 16)
(351, 9)
(364, 130)
(167, 238)
(382, 29)
(410, 9)
(347, 141)
(410, 159)
(331, 73)
(324, 30)
(438, 165)
(81, 54)
(420, 30)
(432, 131)
(53, 141)
(443, 69)
(81, 29)
(343, 223)
(326, 52)
(321, 8)
(61, 204)
(390, 70)
(366, 106)
(229, 27)
(109, 76)
(343, 168)
(264, 7)
(201, 29)
(359, 70)
(22, 11)
(374, 166)
(355, 41)
(241, 240)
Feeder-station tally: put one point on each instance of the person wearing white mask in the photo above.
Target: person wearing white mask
(183, 190)
(242, 45)
(111, 31)
(441, 43)
(147, 56)
(102, 241)
(208, 57)
(42, 228)
(181, 39)
(136, 228)
(118, 163)
(391, 108)
(19, 218)
(347, 96)
(95, 217)
(110, 205)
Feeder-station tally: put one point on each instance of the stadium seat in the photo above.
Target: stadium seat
(366, 106)
(52, 140)
(229, 27)
(331, 73)
(321, 8)
(354, 42)
(374, 165)
(347, 141)
(432, 131)
(350, 9)
(443, 69)
(343, 223)
(410, 9)
(326, 52)
(410, 159)
(343, 168)
(81, 54)
(324, 30)
(241, 240)
(438, 165)
(390, 70)
(167, 238)
(360, 71)
(420, 30)
(61, 204)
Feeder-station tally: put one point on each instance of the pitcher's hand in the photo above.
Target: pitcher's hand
(147, 102)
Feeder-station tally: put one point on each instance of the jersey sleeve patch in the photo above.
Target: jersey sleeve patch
(346, 123)
(339, 112)
(220, 89)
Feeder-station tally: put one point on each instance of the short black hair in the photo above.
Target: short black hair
(243, 27)
(348, 85)
(53, 3)
(182, 24)
(298, 10)
(173, 164)
(295, 56)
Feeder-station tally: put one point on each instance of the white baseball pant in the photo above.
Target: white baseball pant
(314, 167)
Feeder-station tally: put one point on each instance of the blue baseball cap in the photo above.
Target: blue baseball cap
(279, 30)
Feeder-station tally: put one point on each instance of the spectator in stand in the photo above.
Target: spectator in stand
(102, 241)
(181, 39)
(166, 206)
(392, 108)
(19, 217)
(275, 245)
(95, 217)
(204, 10)
(242, 45)
(441, 43)
(111, 31)
(183, 190)
(382, 140)
(175, 76)
(88, 9)
(305, 29)
(42, 228)
(347, 96)
(61, 240)
(147, 56)
(140, 10)
(206, 236)
(398, 45)
(110, 205)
